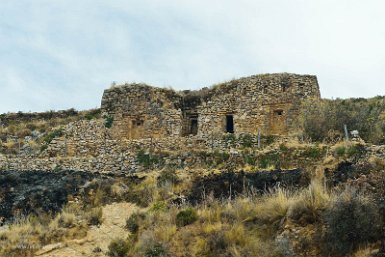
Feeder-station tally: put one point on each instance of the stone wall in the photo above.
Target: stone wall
(268, 103)
(141, 111)
(156, 120)
(90, 146)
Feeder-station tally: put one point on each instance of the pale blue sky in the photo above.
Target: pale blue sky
(63, 53)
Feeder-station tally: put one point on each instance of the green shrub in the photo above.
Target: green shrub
(158, 206)
(270, 159)
(348, 150)
(94, 216)
(246, 140)
(250, 159)
(118, 248)
(268, 140)
(167, 176)
(156, 250)
(92, 114)
(354, 149)
(221, 156)
(312, 152)
(352, 220)
(50, 136)
(323, 118)
(230, 139)
(108, 121)
(145, 159)
(132, 223)
(283, 148)
(186, 217)
(340, 151)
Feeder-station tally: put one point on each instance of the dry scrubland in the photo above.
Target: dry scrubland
(338, 210)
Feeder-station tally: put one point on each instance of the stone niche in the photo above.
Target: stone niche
(267, 102)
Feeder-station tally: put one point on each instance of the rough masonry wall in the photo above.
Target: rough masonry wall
(90, 146)
(268, 102)
(141, 111)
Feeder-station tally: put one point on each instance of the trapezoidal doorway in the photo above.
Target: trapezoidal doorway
(190, 124)
(194, 126)
(229, 123)
(278, 122)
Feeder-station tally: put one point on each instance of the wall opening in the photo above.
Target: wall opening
(136, 128)
(264, 90)
(137, 123)
(278, 112)
(190, 124)
(229, 124)
(194, 126)
(277, 121)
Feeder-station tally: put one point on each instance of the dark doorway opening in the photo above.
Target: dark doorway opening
(278, 112)
(229, 124)
(194, 127)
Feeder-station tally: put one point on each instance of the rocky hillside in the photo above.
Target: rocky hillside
(67, 188)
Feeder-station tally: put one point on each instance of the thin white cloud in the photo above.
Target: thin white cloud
(62, 54)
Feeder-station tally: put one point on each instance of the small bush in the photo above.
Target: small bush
(94, 216)
(66, 220)
(348, 150)
(352, 220)
(56, 133)
(274, 206)
(268, 140)
(230, 138)
(312, 152)
(283, 148)
(270, 159)
(308, 206)
(156, 250)
(97, 249)
(353, 150)
(132, 223)
(118, 248)
(108, 121)
(186, 217)
(93, 114)
(167, 176)
(145, 159)
(340, 151)
(221, 156)
(250, 159)
(246, 140)
(158, 206)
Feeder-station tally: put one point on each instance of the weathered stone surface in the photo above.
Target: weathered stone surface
(266, 102)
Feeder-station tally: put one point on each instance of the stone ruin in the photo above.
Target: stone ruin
(268, 103)
(162, 121)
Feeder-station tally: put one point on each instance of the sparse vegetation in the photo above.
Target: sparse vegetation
(108, 121)
(118, 248)
(353, 220)
(146, 159)
(36, 130)
(324, 120)
(186, 217)
(132, 223)
(316, 218)
(94, 216)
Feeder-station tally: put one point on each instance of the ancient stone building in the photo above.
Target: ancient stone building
(268, 102)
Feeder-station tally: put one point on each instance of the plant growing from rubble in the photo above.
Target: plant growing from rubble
(108, 121)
